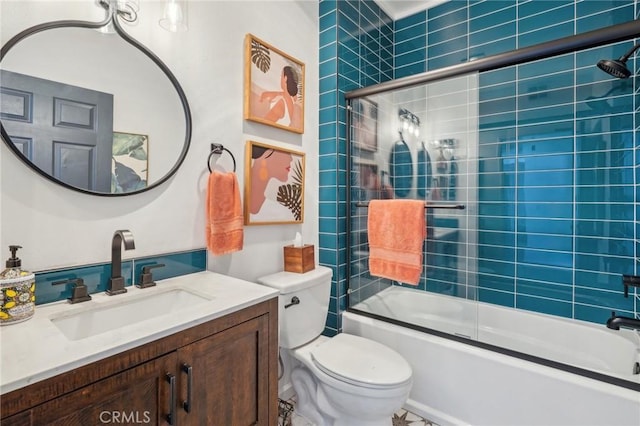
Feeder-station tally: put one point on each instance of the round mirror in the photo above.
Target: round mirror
(92, 111)
(401, 169)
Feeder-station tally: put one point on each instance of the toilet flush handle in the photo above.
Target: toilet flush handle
(294, 301)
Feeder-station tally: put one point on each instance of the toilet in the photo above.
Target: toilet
(344, 380)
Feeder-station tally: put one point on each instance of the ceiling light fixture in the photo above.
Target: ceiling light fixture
(409, 122)
(175, 16)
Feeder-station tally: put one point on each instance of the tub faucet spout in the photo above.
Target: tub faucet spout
(116, 283)
(617, 321)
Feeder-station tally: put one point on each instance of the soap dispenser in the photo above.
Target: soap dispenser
(17, 291)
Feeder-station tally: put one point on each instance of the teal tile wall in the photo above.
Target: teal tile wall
(559, 135)
(556, 210)
(96, 277)
(636, 175)
(410, 45)
(356, 50)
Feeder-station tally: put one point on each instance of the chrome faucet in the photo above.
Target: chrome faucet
(116, 283)
(616, 321)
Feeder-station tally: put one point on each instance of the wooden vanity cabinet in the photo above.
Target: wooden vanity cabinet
(228, 371)
(223, 372)
(137, 395)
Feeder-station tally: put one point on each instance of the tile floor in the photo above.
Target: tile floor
(288, 417)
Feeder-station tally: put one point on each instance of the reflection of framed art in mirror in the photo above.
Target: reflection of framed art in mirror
(130, 162)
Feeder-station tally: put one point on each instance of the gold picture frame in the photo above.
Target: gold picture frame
(273, 86)
(274, 185)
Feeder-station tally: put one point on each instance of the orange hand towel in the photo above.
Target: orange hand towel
(224, 227)
(397, 229)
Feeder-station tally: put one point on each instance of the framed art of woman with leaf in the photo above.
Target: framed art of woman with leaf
(274, 86)
(274, 185)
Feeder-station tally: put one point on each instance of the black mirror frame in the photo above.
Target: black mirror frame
(112, 17)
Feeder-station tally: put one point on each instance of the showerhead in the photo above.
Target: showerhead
(614, 67)
(618, 67)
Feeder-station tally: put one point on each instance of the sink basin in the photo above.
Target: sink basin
(101, 319)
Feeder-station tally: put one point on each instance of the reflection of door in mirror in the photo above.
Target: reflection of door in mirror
(64, 130)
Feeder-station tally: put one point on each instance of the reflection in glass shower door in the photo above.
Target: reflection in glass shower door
(424, 172)
(401, 169)
(444, 172)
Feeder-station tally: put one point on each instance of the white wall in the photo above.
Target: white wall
(60, 228)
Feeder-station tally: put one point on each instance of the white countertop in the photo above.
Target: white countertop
(36, 349)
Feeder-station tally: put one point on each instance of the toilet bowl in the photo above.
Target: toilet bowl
(358, 381)
(344, 380)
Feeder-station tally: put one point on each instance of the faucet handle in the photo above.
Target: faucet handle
(146, 278)
(80, 292)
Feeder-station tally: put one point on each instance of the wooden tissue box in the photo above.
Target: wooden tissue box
(299, 259)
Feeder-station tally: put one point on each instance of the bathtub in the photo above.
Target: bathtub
(553, 372)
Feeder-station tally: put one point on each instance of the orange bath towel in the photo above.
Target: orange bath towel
(397, 229)
(224, 221)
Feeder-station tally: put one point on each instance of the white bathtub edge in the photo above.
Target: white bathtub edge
(490, 388)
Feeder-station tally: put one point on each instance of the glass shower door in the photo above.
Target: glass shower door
(419, 143)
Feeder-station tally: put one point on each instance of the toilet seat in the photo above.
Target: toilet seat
(361, 362)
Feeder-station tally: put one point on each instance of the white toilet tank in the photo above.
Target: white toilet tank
(303, 321)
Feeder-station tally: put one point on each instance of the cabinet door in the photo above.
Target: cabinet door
(140, 395)
(229, 376)
(20, 419)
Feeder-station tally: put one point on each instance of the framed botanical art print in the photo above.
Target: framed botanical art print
(274, 185)
(273, 86)
(365, 124)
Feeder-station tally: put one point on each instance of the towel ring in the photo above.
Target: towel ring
(217, 148)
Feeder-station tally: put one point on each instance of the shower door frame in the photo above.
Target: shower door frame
(575, 43)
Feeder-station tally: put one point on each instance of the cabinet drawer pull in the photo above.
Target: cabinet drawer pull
(171, 417)
(186, 368)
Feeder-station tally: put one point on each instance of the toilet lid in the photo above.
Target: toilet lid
(361, 361)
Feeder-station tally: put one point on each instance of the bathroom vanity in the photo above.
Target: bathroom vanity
(211, 361)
